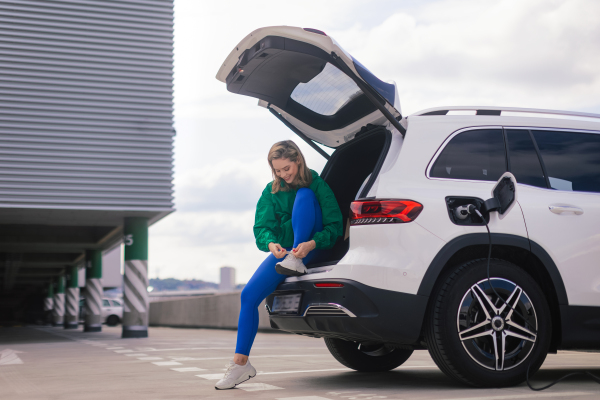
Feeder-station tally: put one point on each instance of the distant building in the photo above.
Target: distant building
(227, 278)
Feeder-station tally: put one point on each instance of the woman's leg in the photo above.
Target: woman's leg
(263, 282)
(307, 218)
(306, 221)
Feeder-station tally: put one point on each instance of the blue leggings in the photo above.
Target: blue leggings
(306, 221)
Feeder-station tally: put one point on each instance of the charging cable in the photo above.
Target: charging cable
(470, 209)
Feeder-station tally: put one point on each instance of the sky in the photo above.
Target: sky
(535, 54)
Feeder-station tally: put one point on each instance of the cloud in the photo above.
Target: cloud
(229, 185)
(540, 54)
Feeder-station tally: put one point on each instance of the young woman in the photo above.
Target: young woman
(296, 216)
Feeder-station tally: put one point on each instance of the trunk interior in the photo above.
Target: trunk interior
(345, 172)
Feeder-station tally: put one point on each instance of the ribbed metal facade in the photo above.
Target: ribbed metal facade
(86, 104)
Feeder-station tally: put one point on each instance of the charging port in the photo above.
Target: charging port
(459, 213)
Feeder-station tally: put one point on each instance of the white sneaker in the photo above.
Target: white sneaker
(236, 374)
(291, 265)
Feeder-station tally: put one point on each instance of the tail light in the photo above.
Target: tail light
(383, 211)
(329, 284)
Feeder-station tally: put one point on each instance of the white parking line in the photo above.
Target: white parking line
(150, 358)
(219, 376)
(255, 387)
(303, 398)
(165, 363)
(224, 348)
(136, 355)
(211, 377)
(10, 357)
(300, 372)
(114, 348)
(253, 357)
(123, 351)
(525, 396)
(188, 369)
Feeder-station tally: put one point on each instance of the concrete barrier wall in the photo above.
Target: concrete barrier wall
(214, 311)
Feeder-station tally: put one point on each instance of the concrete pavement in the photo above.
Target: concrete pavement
(185, 364)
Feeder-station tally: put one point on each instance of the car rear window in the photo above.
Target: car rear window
(473, 155)
(327, 92)
(524, 161)
(572, 159)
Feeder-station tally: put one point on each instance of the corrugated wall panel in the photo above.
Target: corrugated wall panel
(86, 104)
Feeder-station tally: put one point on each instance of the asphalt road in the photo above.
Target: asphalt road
(52, 363)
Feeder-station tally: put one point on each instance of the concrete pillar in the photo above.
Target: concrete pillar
(135, 282)
(93, 291)
(72, 300)
(49, 304)
(58, 312)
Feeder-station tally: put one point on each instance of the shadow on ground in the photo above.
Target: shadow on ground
(26, 335)
(430, 379)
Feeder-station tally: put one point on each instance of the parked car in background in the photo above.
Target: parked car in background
(112, 311)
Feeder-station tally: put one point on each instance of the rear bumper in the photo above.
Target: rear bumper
(379, 315)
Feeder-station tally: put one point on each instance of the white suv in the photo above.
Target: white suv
(412, 270)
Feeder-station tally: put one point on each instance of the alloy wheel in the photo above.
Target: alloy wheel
(497, 326)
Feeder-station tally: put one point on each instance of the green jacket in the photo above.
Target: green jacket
(273, 221)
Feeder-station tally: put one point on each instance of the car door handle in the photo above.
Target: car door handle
(562, 208)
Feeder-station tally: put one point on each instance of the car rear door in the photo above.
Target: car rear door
(563, 212)
(311, 84)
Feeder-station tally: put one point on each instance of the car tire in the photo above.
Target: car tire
(112, 320)
(372, 358)
(467, 343)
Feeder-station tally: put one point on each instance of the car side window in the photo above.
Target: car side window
(572, 159)
(105, 303)
(524, 161)
(116, 303)
(473, 155)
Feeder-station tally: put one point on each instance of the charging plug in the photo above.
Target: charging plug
(462, 212)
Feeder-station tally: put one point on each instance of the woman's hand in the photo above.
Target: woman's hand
(277, 250)
(304, 248)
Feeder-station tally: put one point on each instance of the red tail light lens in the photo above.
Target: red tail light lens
(329, 284)
(384, 211)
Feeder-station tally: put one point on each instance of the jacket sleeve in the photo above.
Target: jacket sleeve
(332, 217)
(265, 221)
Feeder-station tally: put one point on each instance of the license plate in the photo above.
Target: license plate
(288, 303)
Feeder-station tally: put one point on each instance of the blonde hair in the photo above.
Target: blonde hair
(289, 150)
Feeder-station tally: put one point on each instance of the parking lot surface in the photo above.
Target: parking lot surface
(52, 363)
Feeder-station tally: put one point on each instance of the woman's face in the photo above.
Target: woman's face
(286, 169)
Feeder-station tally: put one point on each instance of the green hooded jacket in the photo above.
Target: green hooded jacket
(273, 220)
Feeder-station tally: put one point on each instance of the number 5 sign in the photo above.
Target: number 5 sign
(128, 240)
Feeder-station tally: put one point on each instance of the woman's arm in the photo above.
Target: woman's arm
(265, 221)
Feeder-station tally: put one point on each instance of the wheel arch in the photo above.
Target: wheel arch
(113, 315)
(512, 248)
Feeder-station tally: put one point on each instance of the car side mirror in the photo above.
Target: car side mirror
(504, 195)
